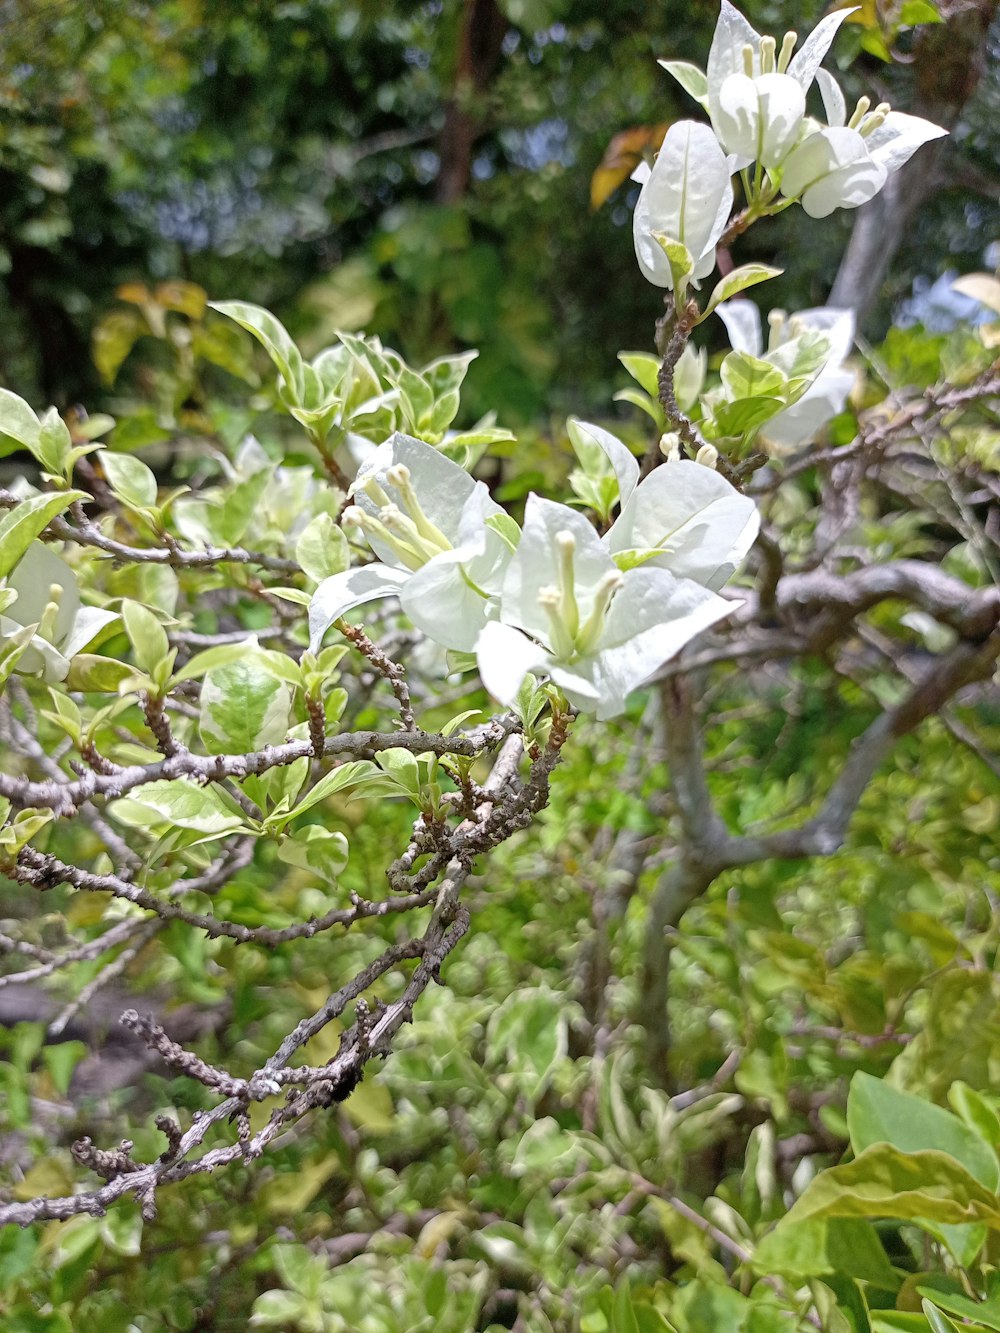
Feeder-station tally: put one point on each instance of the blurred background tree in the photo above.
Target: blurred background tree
(423, 171)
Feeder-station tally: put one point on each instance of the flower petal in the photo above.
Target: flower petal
(742, 321)
(760, 118)
(732, 34)
(809, 56)
(833, 99)
(847, 187)
(441, 485)
(533, 565)
(341, 593)
(651, 619)
(505, 656)
(898, 138)
(701, 523)
(440, 600)
(688, 197)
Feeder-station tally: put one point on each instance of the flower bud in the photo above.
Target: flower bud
(707, 456)
(670, 446)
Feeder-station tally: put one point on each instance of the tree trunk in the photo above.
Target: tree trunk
(480, 44)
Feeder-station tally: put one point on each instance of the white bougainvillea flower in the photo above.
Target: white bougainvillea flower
(755, 93)
(429, 521)
(687, 196)
(846, 163)
(48, 596)
(827, 394)
(568, 611)
(683, 517)
(759, 119)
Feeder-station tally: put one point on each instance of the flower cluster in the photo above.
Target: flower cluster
(755, 95)
(597, 615)
(829, 386)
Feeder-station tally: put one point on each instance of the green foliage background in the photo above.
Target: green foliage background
(519, 1163)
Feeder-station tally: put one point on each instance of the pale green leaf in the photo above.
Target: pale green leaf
(747, 275)
(243, 707)
(322, 548)
(27, 520)
(130, 479)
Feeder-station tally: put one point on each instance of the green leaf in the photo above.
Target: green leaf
(243, 708)
(680, 259)
(18, 420)
(693, 80)
(241, 505)
(940, 1323)
(54, 443)
(623, 1318)
(147, 637)
(915, 12)
(976, 1112)
(26, 521)
(179, 803)
(403, 768)
(745, 416)
(320, 851)
(527, 1035)
(130, 479)
(884, 1182)
(278, 1309)
(506, 529)
(322, 548)
(746, 376)
(939, 1290)
(879, 1113)
(644, 369)
(92, 673)
(822, 1246)
(271, 334)
(212, 658)
(343, 778)
(748, 275)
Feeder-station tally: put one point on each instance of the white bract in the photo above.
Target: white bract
(683, 517)
(600, 615)
(686, 198)
(428, 520)
(569, 612)
(827, 394)
(753, 92)
(846, 163)
(48, 596)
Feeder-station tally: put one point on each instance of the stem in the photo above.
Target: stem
(679, 323)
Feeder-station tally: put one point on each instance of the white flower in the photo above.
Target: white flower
(846, 163)
(687, 197)
(684, 517)
(568, 611)
(759, 119)
(48, 596)
(827, 393)
(755, 93)
(428, 520)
